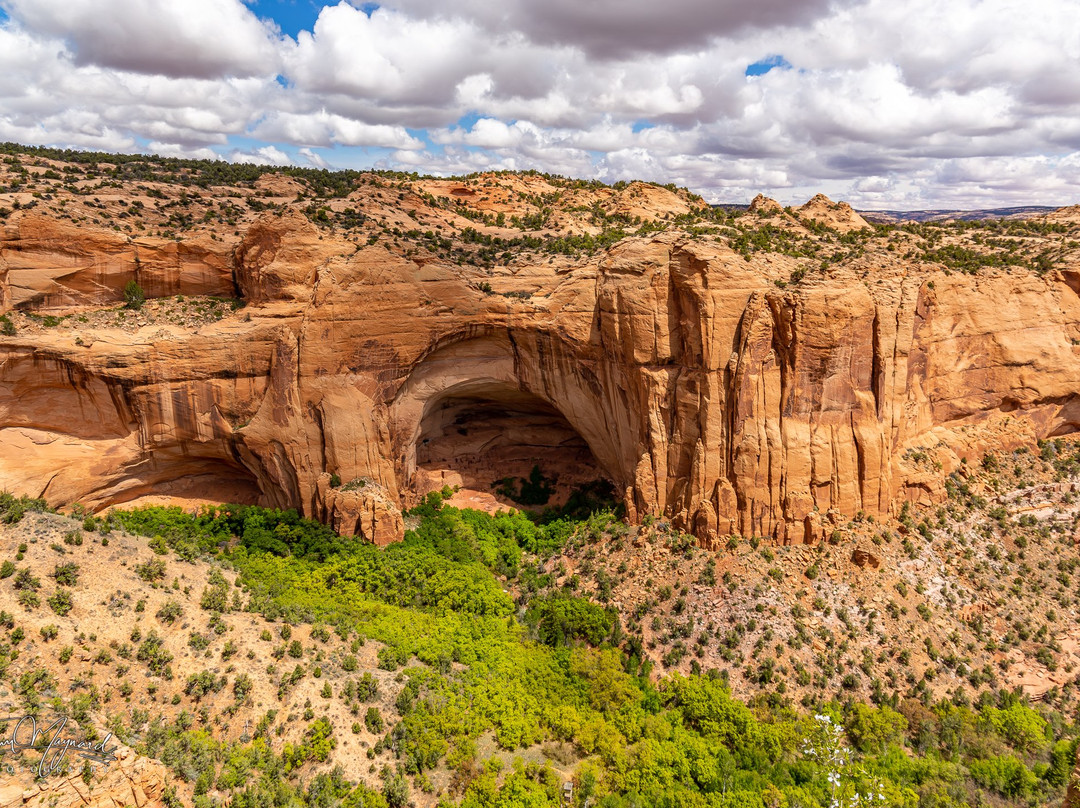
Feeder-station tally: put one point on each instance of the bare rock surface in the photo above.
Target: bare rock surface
(697, 377)
(837, 215)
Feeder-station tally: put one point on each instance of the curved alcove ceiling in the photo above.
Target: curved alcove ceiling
(483, 435)
(536, 364)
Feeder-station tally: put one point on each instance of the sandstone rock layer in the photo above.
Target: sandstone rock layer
(45, 263)
(355, 378)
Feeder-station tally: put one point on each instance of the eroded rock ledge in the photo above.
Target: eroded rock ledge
(672, 366)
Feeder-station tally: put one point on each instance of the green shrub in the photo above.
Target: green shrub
(390, 659)
(61, 602)
(242, 686)
(12, 509)
(152, 570)
(66, 574)
(1006, 775)
(373, 720)
(199, 685)
(154, 654)
(25, 580)
(169, 612)
(367, 688)
(561, 619)
(215, 596)
(134, 297)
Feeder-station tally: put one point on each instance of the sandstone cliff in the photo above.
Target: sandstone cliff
(50, 263)
(729, 391)
(130, 780)
(1072, 796)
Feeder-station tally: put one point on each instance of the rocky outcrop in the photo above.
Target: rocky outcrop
(1069, 214)
(674, 367)
(647, 201)
(765, 206)
(865, 559)
(48, 263)
(131, 780)
(366, 511)
(837, 215)
(279, 258)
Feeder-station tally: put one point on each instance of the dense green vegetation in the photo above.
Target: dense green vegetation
(12, 509)
(555, 668)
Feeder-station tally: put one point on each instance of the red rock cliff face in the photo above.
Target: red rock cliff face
(46, 263)
(703, 391)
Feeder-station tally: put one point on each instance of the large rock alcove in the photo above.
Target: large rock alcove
(487, 437)
(478, 414)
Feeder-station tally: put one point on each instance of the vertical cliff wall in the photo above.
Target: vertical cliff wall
(673, 366)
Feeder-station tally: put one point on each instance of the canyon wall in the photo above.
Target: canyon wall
(46, 263)
(703, 390)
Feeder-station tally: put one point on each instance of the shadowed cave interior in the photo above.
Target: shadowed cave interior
(173, 478)
(504, 447)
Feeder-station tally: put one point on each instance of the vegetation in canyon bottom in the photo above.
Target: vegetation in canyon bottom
(546, 670)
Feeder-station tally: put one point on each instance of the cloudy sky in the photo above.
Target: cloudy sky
(885, 103)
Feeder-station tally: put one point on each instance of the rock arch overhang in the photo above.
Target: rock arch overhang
(73, 436)
(504, 373)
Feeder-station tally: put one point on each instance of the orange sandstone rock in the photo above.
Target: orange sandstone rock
(671, 366)
(837, 215)
(48, 263)
(765, 206)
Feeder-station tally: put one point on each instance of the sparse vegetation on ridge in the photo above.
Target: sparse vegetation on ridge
(482, 220)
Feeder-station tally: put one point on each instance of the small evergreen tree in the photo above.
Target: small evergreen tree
(134, 297)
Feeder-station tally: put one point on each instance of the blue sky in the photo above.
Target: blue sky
(886, 105)
(763, 66)
(294, 16)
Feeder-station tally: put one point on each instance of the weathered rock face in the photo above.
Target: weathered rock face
(671, 366)
(47, 263)
(129, 780)
(764, 206)
(280, 259)
(837, 215)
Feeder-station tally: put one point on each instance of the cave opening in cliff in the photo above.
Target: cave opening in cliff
(504, 447)
(188, 481)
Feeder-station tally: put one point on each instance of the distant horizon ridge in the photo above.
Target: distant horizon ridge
(917, 214)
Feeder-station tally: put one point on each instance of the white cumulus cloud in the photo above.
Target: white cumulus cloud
(197, 38)
(914, 104)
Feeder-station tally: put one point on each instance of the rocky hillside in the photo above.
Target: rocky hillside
(246, 657)
(344, 343)
(978, 591)
(122, 636)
